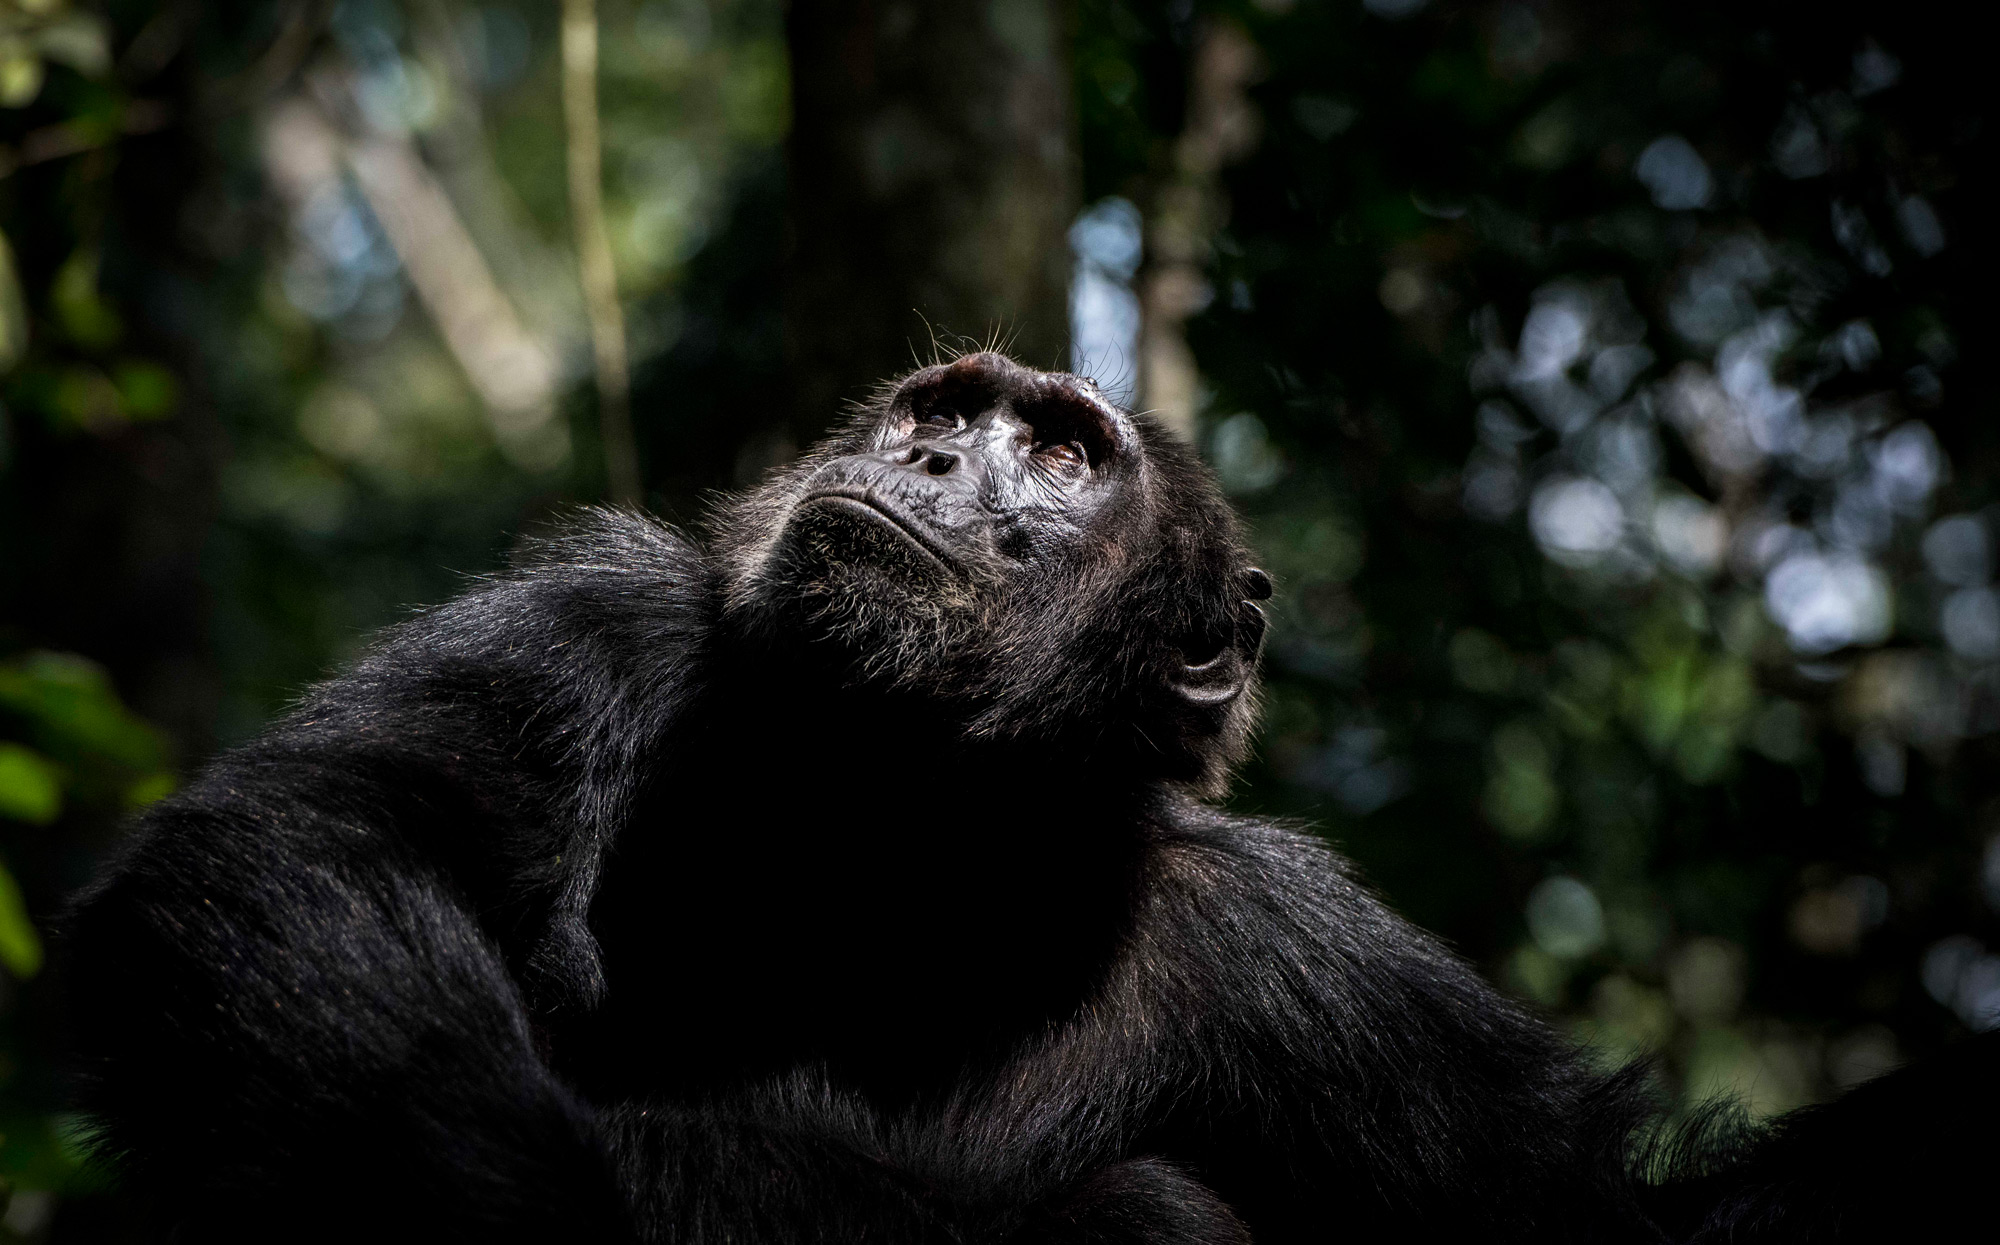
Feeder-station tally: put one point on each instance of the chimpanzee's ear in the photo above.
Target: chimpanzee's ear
(1215, 665)
(1216, 681)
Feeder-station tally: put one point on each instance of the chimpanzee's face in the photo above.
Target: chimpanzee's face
(976, 472)
(1010, 540)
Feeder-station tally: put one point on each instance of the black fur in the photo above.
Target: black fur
(843, 879)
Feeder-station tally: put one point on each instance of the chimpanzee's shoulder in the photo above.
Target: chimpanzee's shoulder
(601, 541)
(602, 579)
(1184, 826)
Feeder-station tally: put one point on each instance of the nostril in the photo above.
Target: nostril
(940, 464)
(916, 453)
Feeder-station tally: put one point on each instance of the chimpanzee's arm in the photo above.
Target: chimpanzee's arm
(299, 994)
(293, 1029)
(1318, 1061)
(799, 1162)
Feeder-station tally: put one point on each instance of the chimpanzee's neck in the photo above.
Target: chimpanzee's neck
(809, 706)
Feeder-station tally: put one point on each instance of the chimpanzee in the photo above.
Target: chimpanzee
(844, 878)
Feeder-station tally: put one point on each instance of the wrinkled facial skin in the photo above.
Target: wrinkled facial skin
(1009, 539)
(975, 472)
(979, 467)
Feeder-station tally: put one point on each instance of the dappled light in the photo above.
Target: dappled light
(1720, 641)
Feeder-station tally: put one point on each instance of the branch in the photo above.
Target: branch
(73, 138)
(593, 249)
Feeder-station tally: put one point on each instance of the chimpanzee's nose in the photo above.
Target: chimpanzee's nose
(957, 468)
(932, 460)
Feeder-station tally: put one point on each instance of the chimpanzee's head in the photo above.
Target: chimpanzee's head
(1010, 542)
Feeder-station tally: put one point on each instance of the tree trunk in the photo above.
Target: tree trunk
(933, 179)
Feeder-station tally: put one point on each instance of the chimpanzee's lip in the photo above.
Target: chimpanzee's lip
(859, 501)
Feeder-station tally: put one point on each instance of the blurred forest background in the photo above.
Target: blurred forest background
(1592, 374)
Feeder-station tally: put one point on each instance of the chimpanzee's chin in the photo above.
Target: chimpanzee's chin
(840, 544)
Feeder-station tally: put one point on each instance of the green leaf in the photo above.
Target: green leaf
(149, 390)
(149, 790)
(20, 945)
(30, 787)
(75, 713)
(20, 74)
(85, 316)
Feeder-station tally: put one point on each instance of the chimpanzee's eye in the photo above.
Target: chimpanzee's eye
(1068, 456)
(1068, 435)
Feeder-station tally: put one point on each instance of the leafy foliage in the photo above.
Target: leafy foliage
(1623, 335)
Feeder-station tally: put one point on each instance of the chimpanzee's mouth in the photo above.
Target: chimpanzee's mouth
(871, 509)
